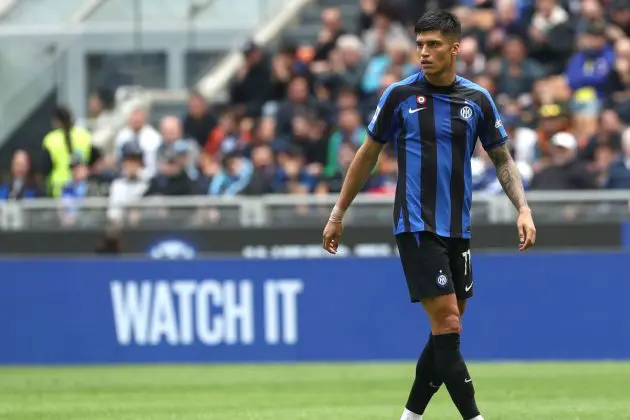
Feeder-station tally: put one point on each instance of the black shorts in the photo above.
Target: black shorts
(435, 265)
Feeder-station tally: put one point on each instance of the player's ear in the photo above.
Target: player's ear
(455, 48)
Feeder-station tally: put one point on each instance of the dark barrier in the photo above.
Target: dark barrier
(529, 306)
(290, 243)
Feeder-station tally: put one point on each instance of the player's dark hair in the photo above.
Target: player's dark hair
(440, 20)
(64, 118)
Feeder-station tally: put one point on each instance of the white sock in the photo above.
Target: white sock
(477, 418)
(410, 415)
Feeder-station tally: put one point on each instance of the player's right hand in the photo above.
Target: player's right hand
(332, 236)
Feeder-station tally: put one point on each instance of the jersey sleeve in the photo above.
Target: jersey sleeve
(492, 133)
(381, 127)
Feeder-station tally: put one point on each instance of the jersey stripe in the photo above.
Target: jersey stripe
(413, 161)
(460, 138)
(444, 138)
(428, 174)
(403, 195)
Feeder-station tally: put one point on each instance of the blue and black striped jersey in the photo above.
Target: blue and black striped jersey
(434, 130)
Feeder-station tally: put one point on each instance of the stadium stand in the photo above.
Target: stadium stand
(298, 104)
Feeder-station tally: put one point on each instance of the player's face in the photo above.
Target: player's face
(437, 52)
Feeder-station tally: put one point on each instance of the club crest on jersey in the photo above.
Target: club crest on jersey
(466, 112)
(421, 99)
(441, 280)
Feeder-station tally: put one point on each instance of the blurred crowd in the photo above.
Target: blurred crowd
(558, 70)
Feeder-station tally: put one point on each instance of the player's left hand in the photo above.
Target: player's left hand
(526, 229)
(332, 236)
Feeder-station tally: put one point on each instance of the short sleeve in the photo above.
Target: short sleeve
(492, 133)
(382, 125)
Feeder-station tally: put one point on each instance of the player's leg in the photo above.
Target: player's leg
(426, 382)
(445, 314)
(445, 321)
(425, 261)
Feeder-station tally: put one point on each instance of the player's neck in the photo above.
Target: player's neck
(445, 78)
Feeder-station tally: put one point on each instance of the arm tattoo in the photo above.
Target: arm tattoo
(508, 175)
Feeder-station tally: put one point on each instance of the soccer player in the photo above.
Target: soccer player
(433, 119)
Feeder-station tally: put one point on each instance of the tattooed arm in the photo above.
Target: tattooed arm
(509, 176)
(510, 180)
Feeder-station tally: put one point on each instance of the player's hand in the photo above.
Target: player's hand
(526, 229)
(332, 236)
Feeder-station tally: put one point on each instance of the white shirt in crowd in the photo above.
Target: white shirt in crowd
(122, 193)
(149, 140)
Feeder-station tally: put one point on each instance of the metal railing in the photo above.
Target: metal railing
(295, 211)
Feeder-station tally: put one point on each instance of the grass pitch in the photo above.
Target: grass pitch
(553, 391)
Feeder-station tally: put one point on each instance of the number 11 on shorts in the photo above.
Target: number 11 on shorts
(466, 256)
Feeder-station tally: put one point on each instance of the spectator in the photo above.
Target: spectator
(620, 80)
(395, 60)
(350, 131)
(308, 137)
(332, 183)
(331, 30)
(265, 171)
(620, 16)
(619, 173)
(608, 134)
(228, 136)
(252, 86)
(510, 22)
(145, 136)
(100, 120)
(384, 181)
(588, 73)
(591, 12)
(172, 178)
(234, 177)
(293, 177)
(265, 135)
(366, 15)
(75, 191)
(284, 66)
(63, 145)
(565, 172)
(371, 103)
(298, 101)
(384, 31)
(551, 36)
(174, 144)
(517, 72)
(346, 64)
(471, 61)
(553, 118)
(21, 182)
(199, 122)
(128, 188)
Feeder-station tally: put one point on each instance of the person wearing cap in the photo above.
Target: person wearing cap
(552, 118)
(129, 187)
(564, 172)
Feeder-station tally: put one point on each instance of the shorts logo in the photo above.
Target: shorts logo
(442, 280)
(466, 112)
(421, 99)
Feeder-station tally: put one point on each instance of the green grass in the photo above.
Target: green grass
(554, 391)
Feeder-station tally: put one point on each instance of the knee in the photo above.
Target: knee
(448, 322)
